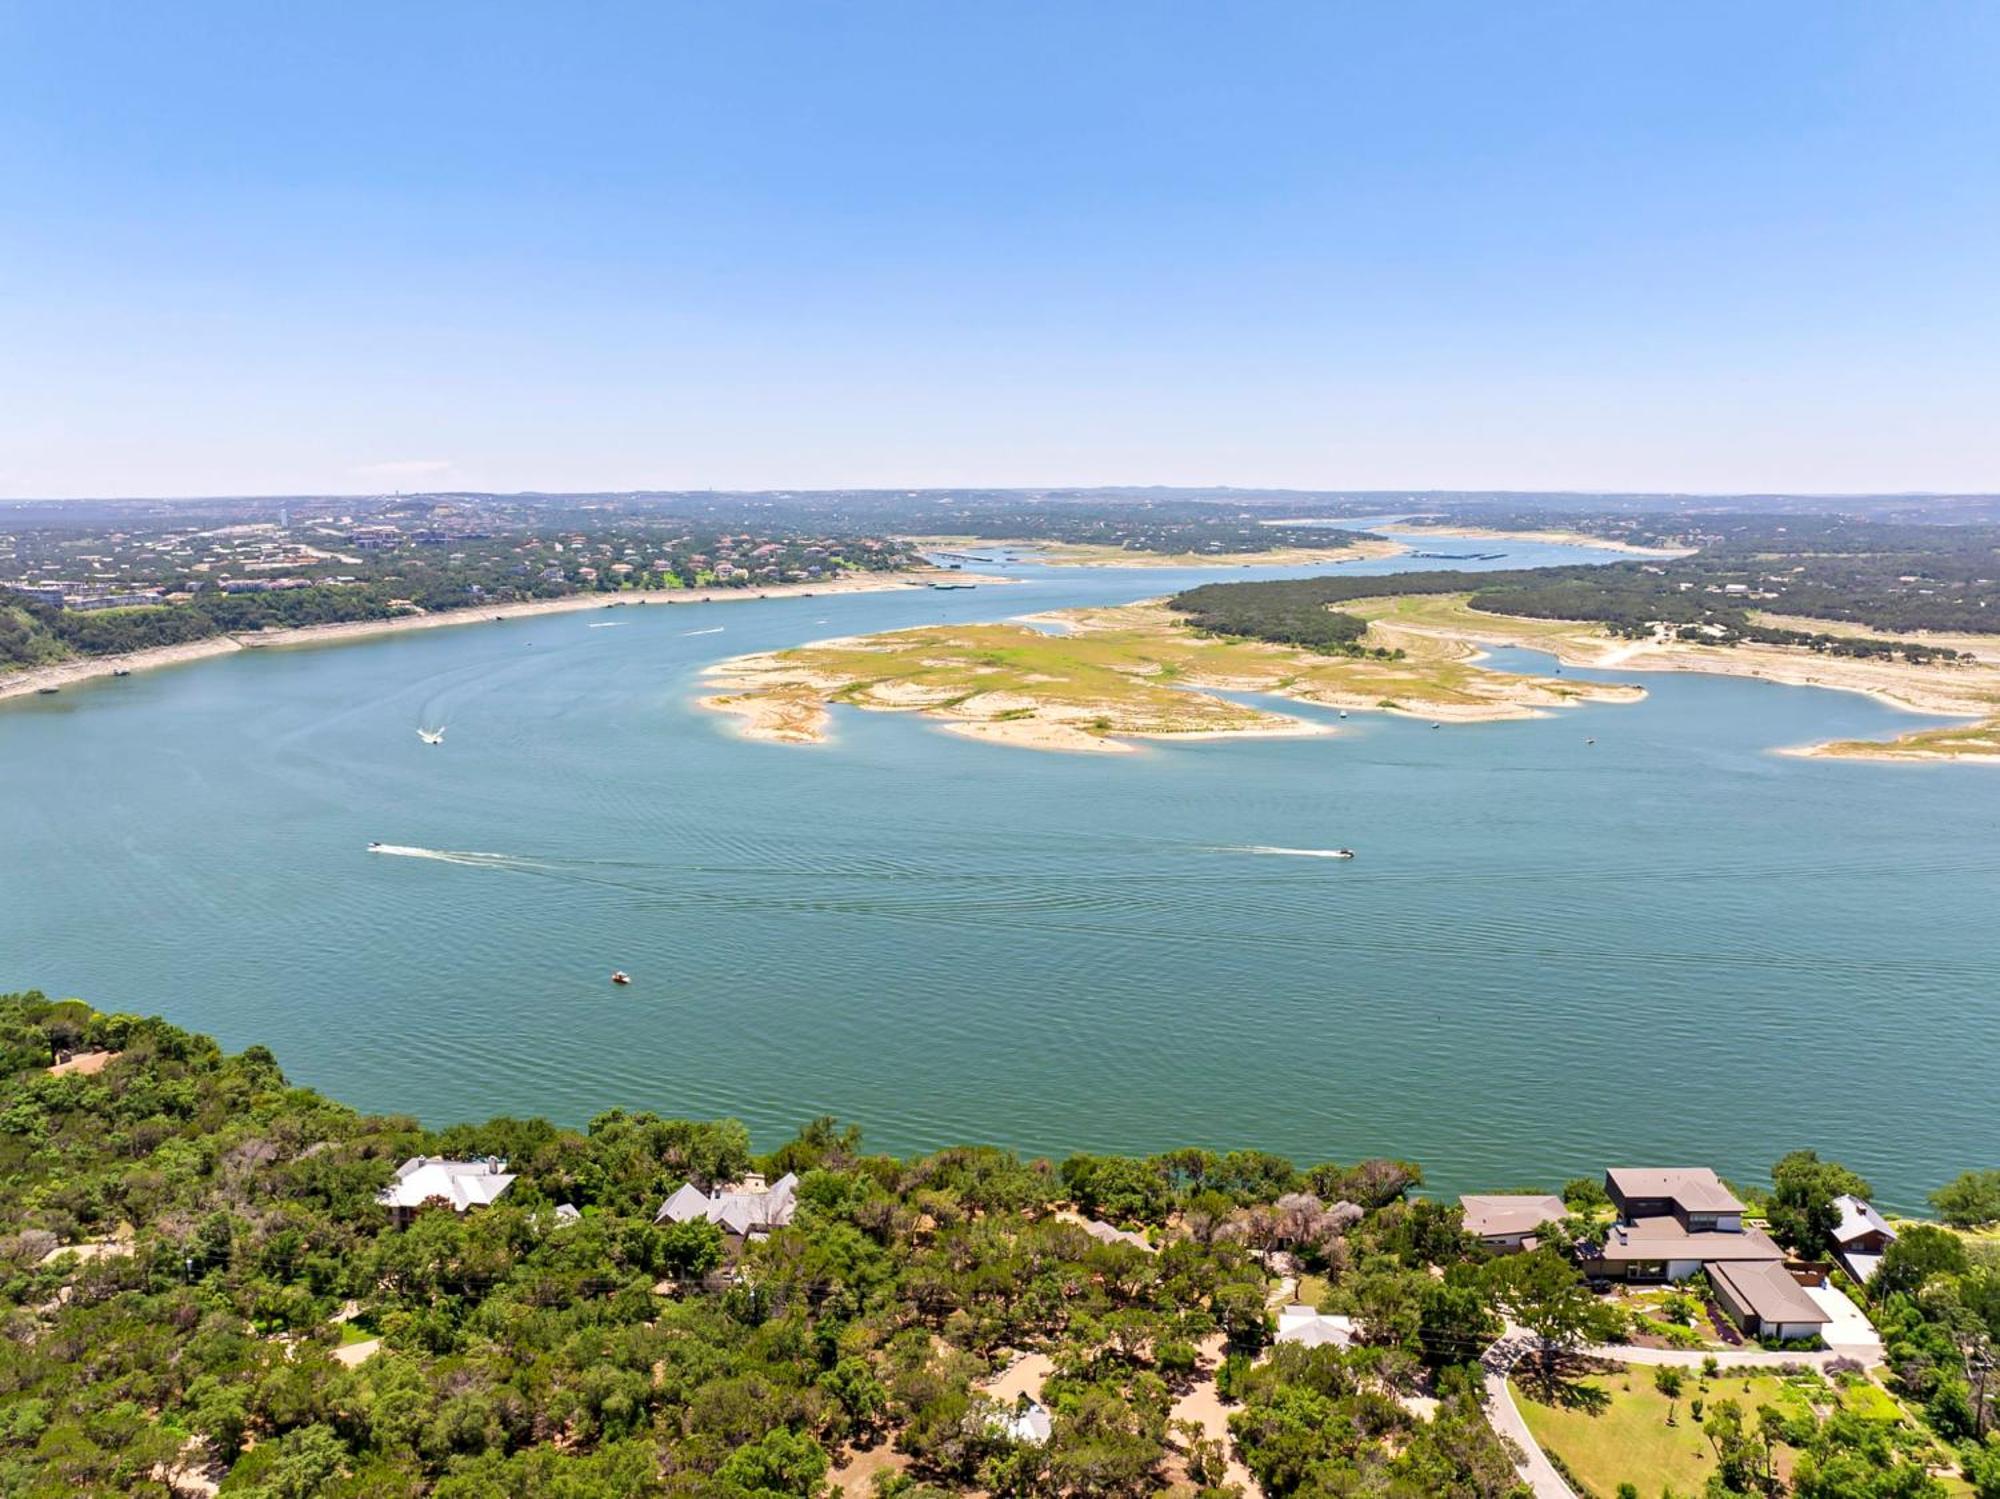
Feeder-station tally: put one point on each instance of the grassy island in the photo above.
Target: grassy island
(1093, 677)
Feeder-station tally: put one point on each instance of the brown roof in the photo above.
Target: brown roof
(1510, 1213)
(1665, 1239)
(1696, 1188)
(1768, 1293)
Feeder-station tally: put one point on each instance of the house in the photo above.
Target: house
(458, 1185)
(1861, 1238)
(1509, 1221)
(1026, 1421)
(1694, 1195)
(744, 1210)
(1673, 1222)
(1765, 1301)
(1312, 1329)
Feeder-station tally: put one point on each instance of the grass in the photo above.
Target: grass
(1624, 1436)
(1981, 740)
(351, 1332)
(1134, 670)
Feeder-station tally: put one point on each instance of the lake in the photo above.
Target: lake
(1670, 946)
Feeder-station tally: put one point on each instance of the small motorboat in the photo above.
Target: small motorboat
(375, 846)
(432, 736)
(123, 671)
(1343, 853)
(620, 976)
(1590, 741)
(47, 691)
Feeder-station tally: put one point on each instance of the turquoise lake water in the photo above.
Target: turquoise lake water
(1670, 946)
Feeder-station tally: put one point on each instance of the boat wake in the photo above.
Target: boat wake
(455, 856)
(717, 630)
(609, 624)
(1288, 853)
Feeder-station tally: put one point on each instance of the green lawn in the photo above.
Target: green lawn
(1629, 1440)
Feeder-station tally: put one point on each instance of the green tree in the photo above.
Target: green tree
(1801, 1209)
(1970, 1200)
(1545, 1294)
(780, 1463)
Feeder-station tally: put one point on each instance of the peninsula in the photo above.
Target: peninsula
(1090, 679)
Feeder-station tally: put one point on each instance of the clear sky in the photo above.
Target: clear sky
(350, 246)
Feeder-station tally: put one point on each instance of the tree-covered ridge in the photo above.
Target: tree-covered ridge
(197, 1281)
(1886, 577)
(611, 1356)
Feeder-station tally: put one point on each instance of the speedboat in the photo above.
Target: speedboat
(1343, 853)
(374, 847)
(620, 976)
(432, 736)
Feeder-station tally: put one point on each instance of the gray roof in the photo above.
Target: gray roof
(1665, 1239)
(1857, 1220)
(1768, 1293)
(1494, 1214)
(1695, 1188)
(741, 1212)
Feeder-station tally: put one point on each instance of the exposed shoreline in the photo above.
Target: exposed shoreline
(88, 668)
(1558, 537)
(1115, 675)
(1967, 691)
(1084, 554)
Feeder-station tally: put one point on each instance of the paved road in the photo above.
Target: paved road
(1534, 1466)
(1733, 1358)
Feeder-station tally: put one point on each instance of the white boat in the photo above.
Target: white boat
(432, 736)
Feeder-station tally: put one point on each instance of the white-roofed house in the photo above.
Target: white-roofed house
(744, 1210)
(1861, 1238)
(424, 1181)
(1027, 1420)
(1314, 1329)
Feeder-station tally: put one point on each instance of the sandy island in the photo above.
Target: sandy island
(1085, 554)
(82, 669)
(1969, 690)
(1097, 678)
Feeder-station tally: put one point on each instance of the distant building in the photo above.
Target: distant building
(747, 1209)
(425, 1180)
(1510, 1221)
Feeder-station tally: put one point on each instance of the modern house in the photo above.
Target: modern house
(425, 1181)
(1861, 1238)
(1765, 1301)
(1507, 1222)
(1673, 1222)
(745, 1210)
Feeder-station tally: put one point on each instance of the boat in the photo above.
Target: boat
(375, 846)
(1343, 853)
(432, 736)
(47, 691)
(123, 671)
(620, 976)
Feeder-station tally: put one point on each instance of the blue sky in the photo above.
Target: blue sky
(264, 248)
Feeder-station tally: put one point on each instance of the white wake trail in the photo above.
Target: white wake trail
(470, 858)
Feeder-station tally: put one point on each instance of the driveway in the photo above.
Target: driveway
(1849, 1332)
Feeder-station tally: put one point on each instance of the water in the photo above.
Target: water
(1671, 945)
